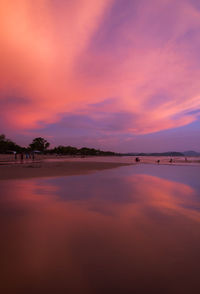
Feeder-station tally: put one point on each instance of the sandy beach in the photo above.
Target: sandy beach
(50, 166)
(52, 169)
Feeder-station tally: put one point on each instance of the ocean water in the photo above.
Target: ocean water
(133, 229)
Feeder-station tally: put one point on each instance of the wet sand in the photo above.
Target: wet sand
(134, 229)
(53, 166)
(53, 169)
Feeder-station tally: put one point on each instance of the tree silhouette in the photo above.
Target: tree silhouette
(39, 144)
(2, 138)
(7, 145)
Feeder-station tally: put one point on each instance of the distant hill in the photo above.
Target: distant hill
(170, 153)
(191, 153)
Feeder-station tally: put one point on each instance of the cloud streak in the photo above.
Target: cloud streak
(69, 57)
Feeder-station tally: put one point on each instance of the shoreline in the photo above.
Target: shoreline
(69, 166)
(41, 169)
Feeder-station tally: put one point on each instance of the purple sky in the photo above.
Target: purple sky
(111, 74)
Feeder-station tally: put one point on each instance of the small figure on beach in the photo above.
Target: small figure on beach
(158, 161)
(22, 157)
(137, 159)
(171, 160)
(15, 155)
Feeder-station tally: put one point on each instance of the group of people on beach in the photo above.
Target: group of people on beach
(21, 156)
(137, 159)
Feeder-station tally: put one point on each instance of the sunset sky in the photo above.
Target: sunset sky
(122, 75)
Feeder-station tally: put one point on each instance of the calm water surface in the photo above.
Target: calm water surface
(133, 229)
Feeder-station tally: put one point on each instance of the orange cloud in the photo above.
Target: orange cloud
(39, 46)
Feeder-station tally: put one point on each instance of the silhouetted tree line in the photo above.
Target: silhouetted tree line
(7, 145)
(69, 150)
(42, 145)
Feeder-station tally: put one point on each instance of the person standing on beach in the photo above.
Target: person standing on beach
(22, 157)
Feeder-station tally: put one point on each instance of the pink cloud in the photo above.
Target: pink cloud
(63, 57)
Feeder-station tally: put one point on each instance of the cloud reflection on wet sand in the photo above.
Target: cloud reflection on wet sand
(52, 243)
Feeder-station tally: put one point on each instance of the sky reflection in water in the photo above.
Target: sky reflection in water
(129, 230)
